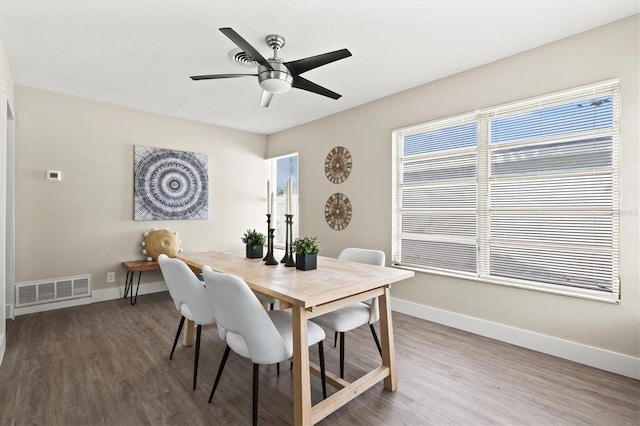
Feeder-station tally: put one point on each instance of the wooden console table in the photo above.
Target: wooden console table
(132, 267)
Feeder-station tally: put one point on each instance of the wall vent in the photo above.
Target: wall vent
(54, 290)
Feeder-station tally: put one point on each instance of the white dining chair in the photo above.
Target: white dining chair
(358, 314)
(190, 298)
(265, 337)
(267, 301)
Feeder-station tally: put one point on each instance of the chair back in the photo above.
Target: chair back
(372, 257)
(239, 311)
(186, 289)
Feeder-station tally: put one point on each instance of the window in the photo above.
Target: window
(279, 171)
(524, 194)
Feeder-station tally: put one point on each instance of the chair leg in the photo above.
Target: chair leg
(335, 338)
(197, 355)
(222, 363)
(323, 376)
(256, 375)
(375, 337)
(175, 342)
(278, 368)
(342, 354)
(272, 306)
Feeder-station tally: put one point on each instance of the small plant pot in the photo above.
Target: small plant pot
(306, 262)
(254, 252)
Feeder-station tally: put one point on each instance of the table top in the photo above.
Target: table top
(140, 265)
(332, 280)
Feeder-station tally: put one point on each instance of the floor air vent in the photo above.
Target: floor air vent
(46, 291)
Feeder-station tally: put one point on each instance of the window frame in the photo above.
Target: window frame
(483, 231)
(277, 222)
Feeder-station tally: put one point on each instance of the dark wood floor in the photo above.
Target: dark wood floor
(107, 364)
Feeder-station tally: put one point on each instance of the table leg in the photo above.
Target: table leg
(189, 333)
(135, 298)
(386, 336)
(128, 282)
(128, 286)
(301, 378)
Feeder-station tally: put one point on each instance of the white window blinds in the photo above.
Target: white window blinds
(523, 194)
(436, 195)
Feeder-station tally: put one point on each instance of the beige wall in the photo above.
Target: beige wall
(84, 224)
(606, 52)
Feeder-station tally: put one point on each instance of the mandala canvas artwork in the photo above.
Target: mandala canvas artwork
(170, 185)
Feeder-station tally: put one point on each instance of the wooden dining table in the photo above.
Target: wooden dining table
(333, 285)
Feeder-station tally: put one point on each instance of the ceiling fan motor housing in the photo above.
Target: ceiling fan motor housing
(277, 80)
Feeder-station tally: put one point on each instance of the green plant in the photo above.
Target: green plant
(253, 238)
(306, 245)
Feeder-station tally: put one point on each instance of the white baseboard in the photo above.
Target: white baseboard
(588, 355)
(594, 357)
(96, 296)
(118, 292)
(9, 313)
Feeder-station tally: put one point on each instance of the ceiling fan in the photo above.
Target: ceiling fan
(276, 76)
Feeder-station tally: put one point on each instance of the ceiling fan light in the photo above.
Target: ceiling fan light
(276, 80)
(275, 85)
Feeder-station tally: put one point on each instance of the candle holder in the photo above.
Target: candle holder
(285, 258)
(268, 227)
(270, 260)
(290, 260)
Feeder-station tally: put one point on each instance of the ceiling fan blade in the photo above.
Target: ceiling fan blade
(245, 46)
(306, 64)
(304, 84)
(214, 76)
(265, 100)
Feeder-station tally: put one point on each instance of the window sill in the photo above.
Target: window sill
(545, 288)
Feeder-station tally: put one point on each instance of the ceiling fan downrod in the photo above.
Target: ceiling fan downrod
(277, 80)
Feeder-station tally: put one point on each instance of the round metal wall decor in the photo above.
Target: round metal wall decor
(337, 211)
(337, 165)
(170, 184)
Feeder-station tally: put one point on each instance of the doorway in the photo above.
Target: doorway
(7, 212)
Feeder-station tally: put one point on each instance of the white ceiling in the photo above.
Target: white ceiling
(140, 54)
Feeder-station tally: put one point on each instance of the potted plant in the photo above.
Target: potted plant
(254, 241)
(306, 249)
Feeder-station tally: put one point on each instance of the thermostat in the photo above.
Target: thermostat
(54, 175)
